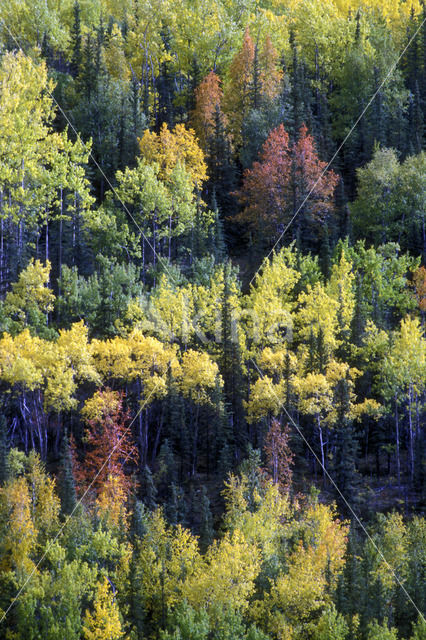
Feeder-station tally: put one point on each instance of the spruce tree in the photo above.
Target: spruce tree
(67, 490)
(230, 361)
(344, 469)
(4, 452)
(148, 490)
(76, 55)
(165, 87)
(137, 523)
(206, 520)
(176, 506)
(221, 167)
(216, 233)
(325, 252)
(167, 468)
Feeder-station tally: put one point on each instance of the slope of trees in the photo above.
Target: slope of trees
(212, 323)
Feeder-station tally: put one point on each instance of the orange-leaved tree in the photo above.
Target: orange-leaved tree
(279, 457)
(238, 86)
(109, 442)
(419, 281)
(288, 181)
(208, 100)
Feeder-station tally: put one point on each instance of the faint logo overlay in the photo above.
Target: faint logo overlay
(216, 324)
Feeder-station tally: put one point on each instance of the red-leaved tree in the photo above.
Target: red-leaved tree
(109, 442)
(279, 457)
(208, 100)
(276, 187)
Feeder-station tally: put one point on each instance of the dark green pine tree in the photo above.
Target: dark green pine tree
(216, 234)
(285, 99)
(137, 116)
(4, 452)
(340, 227)
(193, 82)
(321, 352)
(137, 522)
(311, 363)
(301, 93)
(410, 62)
(372, 602)
(178, 432)
(176, 510)
(221, 167)
(166, 474)
(420, 465)
(377, 115)
(165, 85)
(148, 490)
(223, 437)
(67, 490)
(343, 351)
(198, 234)
(359, 318)
(76, 48)
(86, 78)
(415, 122)
(134, 584)
(344, 471)
(206, 520)
(321, 114)
(230, 362)
(350, 584)
(325, 252)
(46, 50)
(317, 354)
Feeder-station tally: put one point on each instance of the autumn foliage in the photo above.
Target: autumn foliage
(208, 99)
(169, 148)
(109, 442)
(277, 185)
(419, 280)
(279, 456)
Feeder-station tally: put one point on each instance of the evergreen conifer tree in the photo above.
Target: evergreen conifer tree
(344, 464)
(67, 489)
(76, 47)
(206, 520)
(4, 452)
(148, 489)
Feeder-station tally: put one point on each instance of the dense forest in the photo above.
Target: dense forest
(212, 320)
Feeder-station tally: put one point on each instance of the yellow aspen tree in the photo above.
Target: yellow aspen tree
(104, 623)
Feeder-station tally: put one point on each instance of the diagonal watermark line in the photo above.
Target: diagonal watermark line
(354, 514)
(161, 259)
(342, 144)
(68, 518)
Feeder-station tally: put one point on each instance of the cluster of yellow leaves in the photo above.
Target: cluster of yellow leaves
(268, 315)
(166, 557)
(57, 367)
(225, 574)
(405, 363)
(30, 292)
(301, 590)
(198, 375)
(36, 160)
(29, 512)
(266, 524)
(105, 621)
(111, 503)
(169, 148)
(28, 362)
